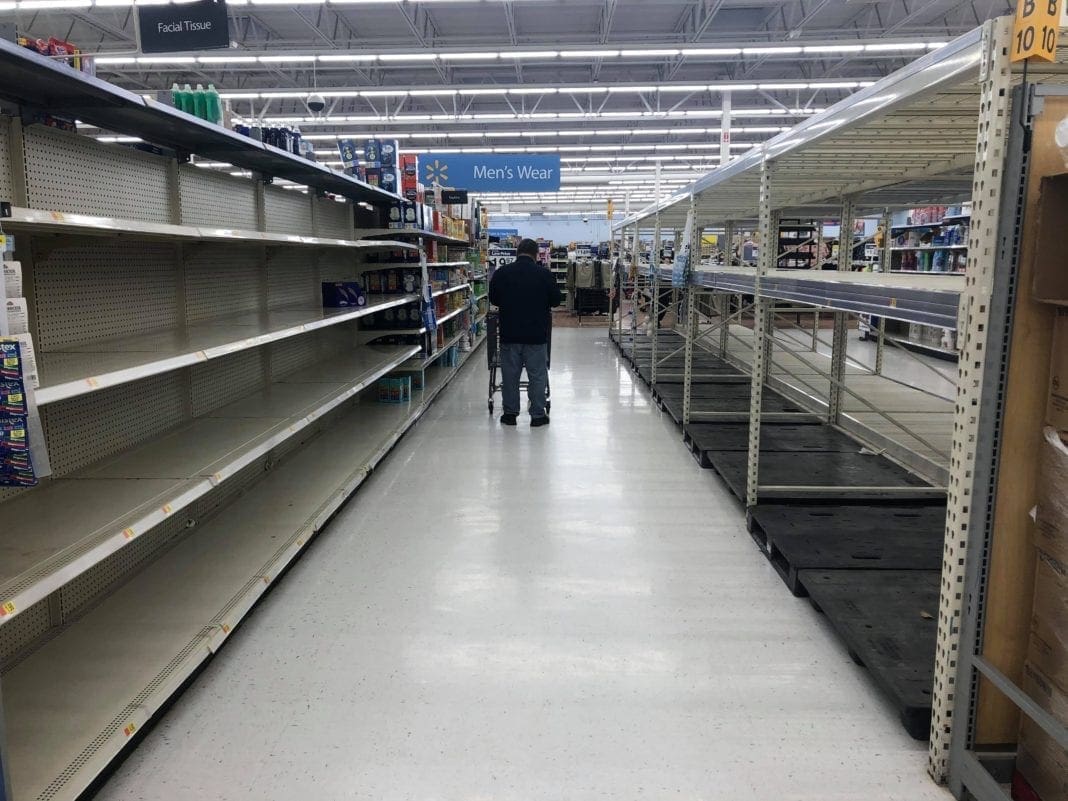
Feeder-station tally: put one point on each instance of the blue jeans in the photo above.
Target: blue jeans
(513, 359)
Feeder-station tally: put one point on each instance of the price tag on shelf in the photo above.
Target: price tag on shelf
(1036, 30)
(7, 609)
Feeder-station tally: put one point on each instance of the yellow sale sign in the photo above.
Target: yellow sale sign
(1036, 30)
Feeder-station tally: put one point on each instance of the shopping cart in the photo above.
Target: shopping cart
(493, 358)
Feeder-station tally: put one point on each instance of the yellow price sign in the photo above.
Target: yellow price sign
(1036, 30)
(7, 609)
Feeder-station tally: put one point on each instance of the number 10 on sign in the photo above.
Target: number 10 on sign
(1037, 29)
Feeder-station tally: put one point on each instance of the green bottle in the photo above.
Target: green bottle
(200, 102)
(176, 97)
(213, 104)
(187, 99)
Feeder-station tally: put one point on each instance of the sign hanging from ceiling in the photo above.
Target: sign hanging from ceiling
(200, 25)
(491, 172)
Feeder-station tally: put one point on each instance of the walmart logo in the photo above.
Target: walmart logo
(437, 173)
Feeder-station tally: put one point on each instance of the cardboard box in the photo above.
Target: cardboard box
(1049, 620)
(1050, 283)
(1042, 762)
(1057, 403)
(1051, 514)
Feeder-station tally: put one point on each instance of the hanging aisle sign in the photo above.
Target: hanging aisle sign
(491, 172)
(1036, 30)
(200, 25)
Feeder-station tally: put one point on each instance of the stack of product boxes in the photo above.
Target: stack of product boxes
(1040, 760)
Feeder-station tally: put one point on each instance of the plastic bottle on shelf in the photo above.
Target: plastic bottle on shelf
(200, 102)
(176, 97)
(213, 104)
(185, 98)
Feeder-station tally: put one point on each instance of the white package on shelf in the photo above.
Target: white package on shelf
(12, 279)
(17, 316)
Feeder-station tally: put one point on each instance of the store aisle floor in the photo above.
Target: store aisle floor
(557, 614)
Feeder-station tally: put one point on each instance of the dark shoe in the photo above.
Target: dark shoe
(538, 422)
(508, 419)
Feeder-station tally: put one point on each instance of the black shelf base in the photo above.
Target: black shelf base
(888, 620)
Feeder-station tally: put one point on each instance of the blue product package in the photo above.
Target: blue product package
(389, 179)
(347, 149)
(387, 152)
(343, 295)
(10, 361)
(371, 154)
(12, 398)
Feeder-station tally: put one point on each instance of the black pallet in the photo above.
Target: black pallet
(705, 373)
(815, 469)
(888, 621)
(702, 438)
(737, 407)
(799, 537)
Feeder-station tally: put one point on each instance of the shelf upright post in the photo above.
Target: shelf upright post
(761, 325)
(840, 341)
(1010, 153)
(691, 304)
(634, 264)
(654, 262)
(724, 303)
(880, 348)
(820, 243)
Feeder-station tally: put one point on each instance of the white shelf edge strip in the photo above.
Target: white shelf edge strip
(119, 538)
(83, 386)
(450, 290)
(452, 314)
(61, 222)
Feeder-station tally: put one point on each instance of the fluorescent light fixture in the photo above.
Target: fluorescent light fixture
(771, 51)
(732, 87)
(115, 60)
(384, 93)
(650, 52)
(469, 56)
(711, 51)
(834, 48)
(239, 95)
(226, 59)
(683, 89)
(349, 57)
(45, 5)
(473, 92)
(544, 90)
(634, 89)
(407, 56)
(589, 53)
(292, 59)
(893, 46)
(432, 93)
(166, 60)
(532, 54)
(775, 86)
(584, 90)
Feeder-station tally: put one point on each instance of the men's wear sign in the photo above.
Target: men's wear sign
(201, 25)
(491, 172)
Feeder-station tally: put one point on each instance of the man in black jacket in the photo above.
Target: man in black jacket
(525, 292)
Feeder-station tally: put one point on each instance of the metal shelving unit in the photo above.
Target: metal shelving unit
(204, 415)
(946, 129)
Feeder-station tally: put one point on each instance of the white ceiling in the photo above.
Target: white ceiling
(773, 59)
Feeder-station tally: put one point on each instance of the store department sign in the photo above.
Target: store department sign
(491, 172)
(200, 25)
